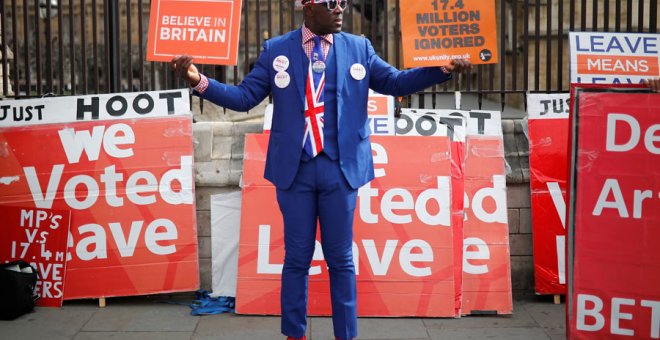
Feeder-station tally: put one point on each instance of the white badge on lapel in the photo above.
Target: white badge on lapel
(281, 63)
(282, 79)
(358, 72)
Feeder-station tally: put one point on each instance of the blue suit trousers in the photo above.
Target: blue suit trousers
(319, 192)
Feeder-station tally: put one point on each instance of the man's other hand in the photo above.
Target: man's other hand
(459, 65)
(653, 83)
(185, 69)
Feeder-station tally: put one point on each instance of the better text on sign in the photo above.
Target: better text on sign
(208, 30)
(123, 165)
(614, 215)
(436, 31)
(403, 247)
(39, 237)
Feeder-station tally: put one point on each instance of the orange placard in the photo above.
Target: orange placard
(436, 31)
(208, 30)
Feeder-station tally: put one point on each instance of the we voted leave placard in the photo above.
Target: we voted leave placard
(207, 30)
(436, 31)
(122, 164)
(403, 242)
(614, 214)
(613, 58)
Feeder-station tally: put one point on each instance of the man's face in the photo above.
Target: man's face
(325, 21)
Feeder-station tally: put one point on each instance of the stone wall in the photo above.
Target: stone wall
(218, 166)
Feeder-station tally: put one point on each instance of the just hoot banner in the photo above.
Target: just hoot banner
(122, 165)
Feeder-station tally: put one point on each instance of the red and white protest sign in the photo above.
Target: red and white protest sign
(380, 113)
(614, 214)
(421, 122)
(486, 265)
(481, 190)
(403, 246)
(613, 58)
(123, 165)
(39, 237)
(208, 30)
(548, 163)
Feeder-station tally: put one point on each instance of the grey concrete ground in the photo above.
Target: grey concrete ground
(145, 318)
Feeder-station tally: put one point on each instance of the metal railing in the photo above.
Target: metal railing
(72, 47)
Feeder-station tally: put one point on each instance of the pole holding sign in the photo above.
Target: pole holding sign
(436, 31)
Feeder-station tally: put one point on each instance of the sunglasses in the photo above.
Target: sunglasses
(333, 4)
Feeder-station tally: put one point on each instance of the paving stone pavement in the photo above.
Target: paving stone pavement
(146, 318)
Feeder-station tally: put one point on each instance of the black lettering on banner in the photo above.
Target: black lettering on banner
(407, 128)
(145, 110)
(451, 124)
(4, 108)
(109, 106)
(558, 106)
(420, 128)
(481, 120)
(93, 108)
(22, 113)
(170, 96)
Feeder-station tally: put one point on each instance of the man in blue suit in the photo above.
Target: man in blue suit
(319, 152)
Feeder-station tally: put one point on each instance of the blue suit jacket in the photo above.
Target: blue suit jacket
(286, 135)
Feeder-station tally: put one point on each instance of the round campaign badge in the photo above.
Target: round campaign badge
(318, 67)
(282, 79)
(358, 72)
(281, 63)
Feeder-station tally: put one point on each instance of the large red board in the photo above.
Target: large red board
(122, 164)
(403, 246)
(424, 122)
(614, 272)
(486, 260)
(548, 163)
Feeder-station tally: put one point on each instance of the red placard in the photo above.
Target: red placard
(122, 164)
(403, 245)
(422, 122)
(38, 236)
(486, 260)
(614, 215)
(208, 30)
(548, 162)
